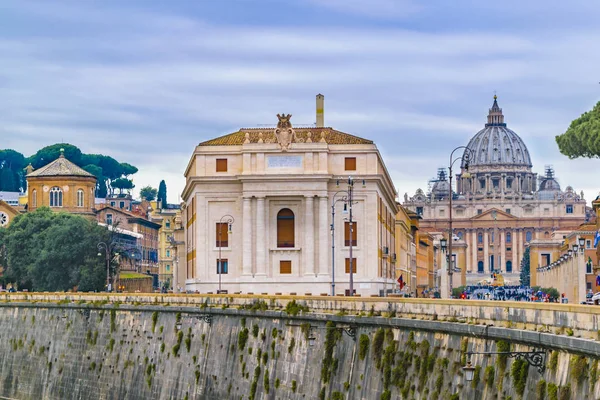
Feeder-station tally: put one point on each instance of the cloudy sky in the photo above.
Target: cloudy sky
(145, 80)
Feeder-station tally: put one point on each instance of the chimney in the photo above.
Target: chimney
(320, 107)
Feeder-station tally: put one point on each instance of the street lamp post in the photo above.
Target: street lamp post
(107, 251)
(228, 219)
(344, 199)
(466, 158)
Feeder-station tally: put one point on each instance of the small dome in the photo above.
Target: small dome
(495, 144)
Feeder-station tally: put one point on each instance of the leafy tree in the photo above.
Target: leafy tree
(12, 176)
(162, 193)
(122, 184)
(49, 251)
(525, 269)
(148, 193)
(582, 139)
(50, 153)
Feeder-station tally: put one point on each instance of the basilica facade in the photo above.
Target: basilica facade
(267, 210)
(499, 204)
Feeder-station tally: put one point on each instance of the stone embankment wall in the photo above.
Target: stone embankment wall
(54, 346)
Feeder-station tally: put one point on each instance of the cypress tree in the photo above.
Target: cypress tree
(162, 193)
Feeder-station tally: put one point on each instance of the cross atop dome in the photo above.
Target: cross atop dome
(495, 116)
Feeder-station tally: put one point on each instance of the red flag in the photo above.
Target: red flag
(401, 282)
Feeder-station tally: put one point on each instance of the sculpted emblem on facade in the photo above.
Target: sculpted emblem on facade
(284, 133)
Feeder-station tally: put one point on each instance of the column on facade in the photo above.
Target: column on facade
(513, 247)
(502, 261)
(247, 236)
(261, 246)
(518, 245)
(486, 251)
(323, 236)
(488, 187)
(309, 236)
(518, 179)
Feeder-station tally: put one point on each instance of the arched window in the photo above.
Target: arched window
(56, 197)
(508, 237)
(480, 267)
(509, 266)
(285, 228)
(80, 198)
(546, 235)
(528, 237)
(480, 237)
(460, 235)
(34, 198)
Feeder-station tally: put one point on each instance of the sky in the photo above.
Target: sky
(144, 81)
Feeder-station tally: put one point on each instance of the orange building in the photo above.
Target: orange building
(62, 186)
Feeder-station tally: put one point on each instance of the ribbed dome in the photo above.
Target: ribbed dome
(496, 144)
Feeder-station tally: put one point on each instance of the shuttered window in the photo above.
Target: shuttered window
(221, 165)
(285, 228)
(285, 267)
(353, 265)
(222, 228)
(350, 164)
(224, 266)
(347, 234)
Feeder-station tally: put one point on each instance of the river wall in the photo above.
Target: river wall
(54, 346)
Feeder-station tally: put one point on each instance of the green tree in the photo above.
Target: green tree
(525, 271)
(12, 176)
(49, 251)
(148, 193)
(582, 139)
(122, 184)
(162, 193)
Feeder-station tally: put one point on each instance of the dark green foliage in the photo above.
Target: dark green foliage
(377, 347)
(293, 308)
(258, 305)
(322, 393)
(552, 391)
(294, 386)
(305, 328)
(154, 320)
(502, 346)
(337, 396)
(579, 369)
(455, 396)
(12, 176)
(476, 376)
(113, 317)
(148, 193)
(291, 346)
(540, 390)
(188, 340)
(363, 343)
(177, 345)
(122, 184)
(582, 137)
(266, 381)
(594, 373)
(162, 194)
(564, 393)
(111, 344)
(274, 333)
(525, 276)
(242, 338)
(331, 337)
(277, 383)
(553, 364)
(54, 251)
(488, 375)
(254, 330)
(519, 372)
(457, 291)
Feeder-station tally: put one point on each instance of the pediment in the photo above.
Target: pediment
(488, 216)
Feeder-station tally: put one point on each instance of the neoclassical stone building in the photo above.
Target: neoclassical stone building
(278, 185)
(499, 206)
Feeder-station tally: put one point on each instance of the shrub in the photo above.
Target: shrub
(579, 369)
(552, 391)
(476, 376)
(488, 375)
(291, 346)
(553, 364)
(540, 390)
(242, 338)
(519, 371)
(293, 308)
(377, 346)
(154, 320)
(363, 346)
(564, 393)
(254, 330)
(294, 386)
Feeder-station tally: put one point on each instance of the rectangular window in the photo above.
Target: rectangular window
(545, 260)
(224, 266)
(353, 265)
(347, 234)
(350, 163)
(546, 211)
(221, 165)
(168, 224)
(588, 244)
(168, 268)
(496, 183)
(112, 203)
(482, 183)
(479, 211)
(480, 249)
(442, 213)
(588, 268)
(109, 220)
(222, 235)
(168, 253)
(285, 267)
(508, 210)
(419, 210)
(508, 248)
(509, 183)
(460, 211)
(121, 204)
(569, 209)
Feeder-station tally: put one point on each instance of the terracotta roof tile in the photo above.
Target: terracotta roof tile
(331, 136)
(60, 167)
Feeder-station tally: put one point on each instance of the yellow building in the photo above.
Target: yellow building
(62, 186)
(169, 219)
